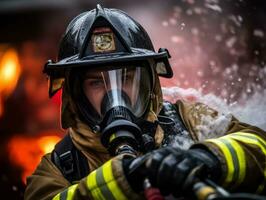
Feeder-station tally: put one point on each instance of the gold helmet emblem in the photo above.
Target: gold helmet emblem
(103, 40)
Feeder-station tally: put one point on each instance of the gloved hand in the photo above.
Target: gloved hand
(167, 168)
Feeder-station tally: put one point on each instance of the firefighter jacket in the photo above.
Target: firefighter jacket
(240, 148)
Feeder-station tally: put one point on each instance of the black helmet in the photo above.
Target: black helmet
(103, 37)
(131, 40)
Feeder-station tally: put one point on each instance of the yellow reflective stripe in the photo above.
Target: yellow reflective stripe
(250, 139)
(111, 182)
(57, 197)
(67, 194)
(103, 185)
(92, 185)
(254, 140)
(70, 192)
(228, 158)
(235, 160)
(241, 160)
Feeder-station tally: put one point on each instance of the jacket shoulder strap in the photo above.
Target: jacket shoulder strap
(69, 160)
(172, 123)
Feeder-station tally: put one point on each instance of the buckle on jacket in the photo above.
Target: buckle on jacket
(67, 162)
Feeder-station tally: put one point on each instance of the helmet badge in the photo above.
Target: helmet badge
(103, 40)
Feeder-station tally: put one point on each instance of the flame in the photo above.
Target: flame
(9, 73)
(47, 143)
(26, 152)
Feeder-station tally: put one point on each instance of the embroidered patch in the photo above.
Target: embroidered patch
(103, 40)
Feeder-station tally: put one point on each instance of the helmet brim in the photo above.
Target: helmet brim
(51, 68)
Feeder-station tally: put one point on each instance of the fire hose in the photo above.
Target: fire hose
(208, 190)
(122, 136)
(202, 189)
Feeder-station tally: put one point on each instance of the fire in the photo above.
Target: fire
(26, 152)
(47, 143)
(9, 73)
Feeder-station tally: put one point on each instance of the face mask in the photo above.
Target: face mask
(128, 87)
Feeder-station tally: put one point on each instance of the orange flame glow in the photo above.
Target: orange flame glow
(9, 73)
(26, 152)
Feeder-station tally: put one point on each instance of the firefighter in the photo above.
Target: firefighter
(106, 65)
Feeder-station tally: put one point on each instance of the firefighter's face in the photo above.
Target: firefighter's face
(98, 83)
(125, 86)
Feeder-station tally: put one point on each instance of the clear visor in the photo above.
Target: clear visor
(129, 87)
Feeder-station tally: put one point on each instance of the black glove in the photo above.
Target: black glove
(167, 168)
(136, 170)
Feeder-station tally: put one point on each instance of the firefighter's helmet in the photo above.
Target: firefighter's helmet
(106, 40)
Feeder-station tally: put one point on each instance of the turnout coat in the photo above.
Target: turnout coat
(240, 148)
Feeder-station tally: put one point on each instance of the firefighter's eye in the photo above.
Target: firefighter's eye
(95, 83)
